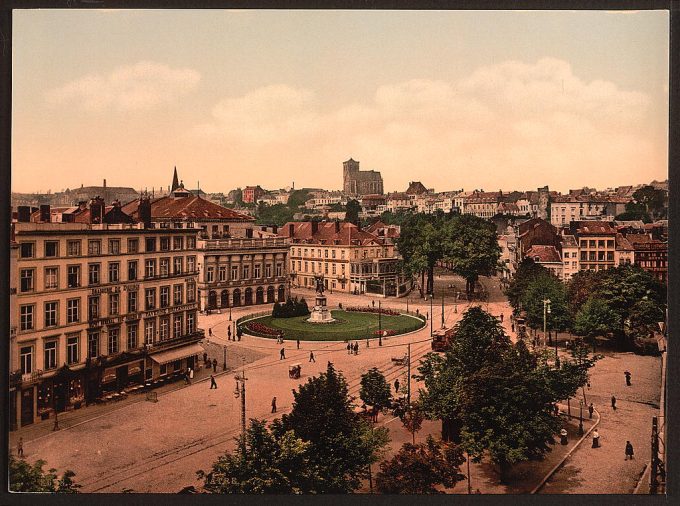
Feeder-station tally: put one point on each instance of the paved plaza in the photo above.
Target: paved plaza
(158, 446)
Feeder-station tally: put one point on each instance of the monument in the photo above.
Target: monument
(320, 312)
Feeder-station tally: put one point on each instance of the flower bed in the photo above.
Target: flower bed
(385, 333)
(260, 328)
(361, 309)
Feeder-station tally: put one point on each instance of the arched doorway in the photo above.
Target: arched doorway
(249, 297)
(212, 299)
(224, 298)
(282, 293)
(237, 297)
(259, 295)
(270, 295)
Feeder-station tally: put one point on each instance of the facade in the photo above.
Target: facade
(570, 257)
(357, 182)
(651, 255)
(100, 305)
(251, 194)
(597, 244)
(351, 260)
(568, 208)
(548, 257)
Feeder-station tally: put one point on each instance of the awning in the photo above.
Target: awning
(176, 354)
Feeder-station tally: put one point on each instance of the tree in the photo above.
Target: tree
(580, 288)
(343, 445)
(546, 286)
(297, 198)
(352, 210)
(276, 214)
(419, 469)
(526, 272)
(471, 247)
(652, 198)
(643, 319)
(421, 242)
(595, 318)
(24, 477)
(375, 391)
(410, 414)
(269, 465)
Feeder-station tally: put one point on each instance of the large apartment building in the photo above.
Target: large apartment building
(102, 301)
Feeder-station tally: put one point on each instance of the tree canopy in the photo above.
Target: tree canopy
(375, 391)
(352, 210)
(24, 477)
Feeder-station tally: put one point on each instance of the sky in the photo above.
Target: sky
(456, 99)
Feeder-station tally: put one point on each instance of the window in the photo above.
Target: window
(93, 344)
(222, 272)
(191, 264)
(177, 295)
(72, 353)
(279, 269)
(177, 264)
(268, 271)
(584, 243)
(50, 349)
(26, 317)
(132, 270)
(93, 274)
(177, 242)
(591, 256)
(600, 243)
(73, 248)
(191, 323)
(52, 249)
(610, 243)
(319, 252)
(591, 243)
(325, 253)
(150, 297)
(306, 266)
(73, 274)
(225, 229)
(165, 296)
(150, 268)
(210, 275)
(133, 245)
(51, 277)
(165, 244)
(246, 271)
(610, 256)
(26, 358)
(132, 302)
(191, 292)
(27, 250)
(94, 247)
(256, 271)
(165, 267)
(114, 246)
(93, 307)
(73, 310)
(191, 242)
(150, 244)
(27, 280)
(114, 304)
(333, 253)
(325, 265)
(215, 231)
(178, 325)
(333, 268)
(342, 254)
(234, 272)
(149, 331)
(132, 335)
(164, 328)
(114, 272)
(114, 337)
(51, 314)
(583, 256)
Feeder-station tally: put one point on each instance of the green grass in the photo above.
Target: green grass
(349, 325)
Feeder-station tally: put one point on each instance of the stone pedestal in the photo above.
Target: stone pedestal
(320, 312)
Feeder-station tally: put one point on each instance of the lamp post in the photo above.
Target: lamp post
(379, 325)
(431, 314)
(442, 309)
(546, 312)
(580, 417)
(224, 364)
(229, 312)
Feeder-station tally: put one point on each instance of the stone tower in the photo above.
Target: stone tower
(350, 169)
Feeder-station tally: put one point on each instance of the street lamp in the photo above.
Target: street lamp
(224, 364)
(580, 417)
(379, 325)
(229, 312)
(546, 312)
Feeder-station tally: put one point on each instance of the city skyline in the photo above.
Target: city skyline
(567, 99)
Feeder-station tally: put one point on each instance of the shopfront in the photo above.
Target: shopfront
(175, 361)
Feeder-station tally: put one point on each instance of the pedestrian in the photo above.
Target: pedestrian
(355, 348)
(210, 332)
(512, 326)
(186, 378)
(373, 302)
(213, 383)
(629, 451)
(214, 362)
(563, 437)
(596, 439)
(239, 334)
(283, 353)
(191, 373)
(591, 408)
(427, 315)
(298, 344)
(396, 385)
(274, 405)
(205, 358)
(501, 317)
(311, 357)
(613, 403)
(20, 447)
(349, 349)
(229, 333)
(627, 374)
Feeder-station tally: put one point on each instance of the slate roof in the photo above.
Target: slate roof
(349, 233)
(191, 207)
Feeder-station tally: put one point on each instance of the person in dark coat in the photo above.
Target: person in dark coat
(283, 353)
(214, 362)
(596, 439)
(205, 358)
(349, 349)
(213, 383)
(501, 317)
(20, 448)
(613, 403)
(591, 408)
(298, 344)
(396, 385)
(627, 374)
(311, 357)
(274, 405)
(210, 332)
(629, 451)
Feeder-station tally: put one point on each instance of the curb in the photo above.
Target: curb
(550, 474)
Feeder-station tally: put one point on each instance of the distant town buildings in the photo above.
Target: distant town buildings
(357, 182)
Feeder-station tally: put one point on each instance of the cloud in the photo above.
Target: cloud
(499, 121)
(143, 85)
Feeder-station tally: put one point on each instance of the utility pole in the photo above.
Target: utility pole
(224, 363)
(546, 312)
(379, 325)
(431, 315)
(653, 481)
(408, 370)
(468, 474)
(242, 393)
(442, 309)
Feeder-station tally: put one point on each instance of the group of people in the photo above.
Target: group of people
(353, 348)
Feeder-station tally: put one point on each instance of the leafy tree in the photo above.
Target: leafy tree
(643, 319)
(635, 211)
(276, 214)
(547, 287)
(595, 318)
(343, 445)
(24, 477)
(419, 469)
(410, 414)
(526, 272)
(652, 198)
(297, 198)
(375, 391)
(269, 465)
(352, 210)
(421, 243)
(471, 246)
(580, 288)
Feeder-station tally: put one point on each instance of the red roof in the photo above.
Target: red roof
(593, 227)
(348, 234)
(193, 207)
(544, 254)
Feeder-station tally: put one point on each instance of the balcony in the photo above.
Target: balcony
(242, 243)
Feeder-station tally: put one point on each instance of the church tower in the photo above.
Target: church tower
(175, 181)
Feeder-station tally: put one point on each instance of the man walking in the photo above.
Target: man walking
(298, 344)
(205, 358)
(20, 447)
(613, 403)
(349, 349)
(627, 375)
(283, 353)
(396, 385)
(596, 439)
(501, 317)
(210, 332)
(214, 362)
(591, 408)
(229, 333)
(629, 451)
(274, 405)
(213, 383)
(311, 357)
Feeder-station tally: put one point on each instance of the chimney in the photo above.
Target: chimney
(97, 210)
(275, 229)
(116, 203)
(82, 205)
(144, 211)
(291, 230)
(23, 214)
(315, 227)
(45, 213)
(104, 183)
(337, 227)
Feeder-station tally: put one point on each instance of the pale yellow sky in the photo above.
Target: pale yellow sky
(511, 100)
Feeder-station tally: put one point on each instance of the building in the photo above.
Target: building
(356, 182)
(416, 188)
(568, 208)
(103, 301)
(597, 244)
(350, 259)
(251, 194)
(651, 255)
(570, 256)
(548, 257)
